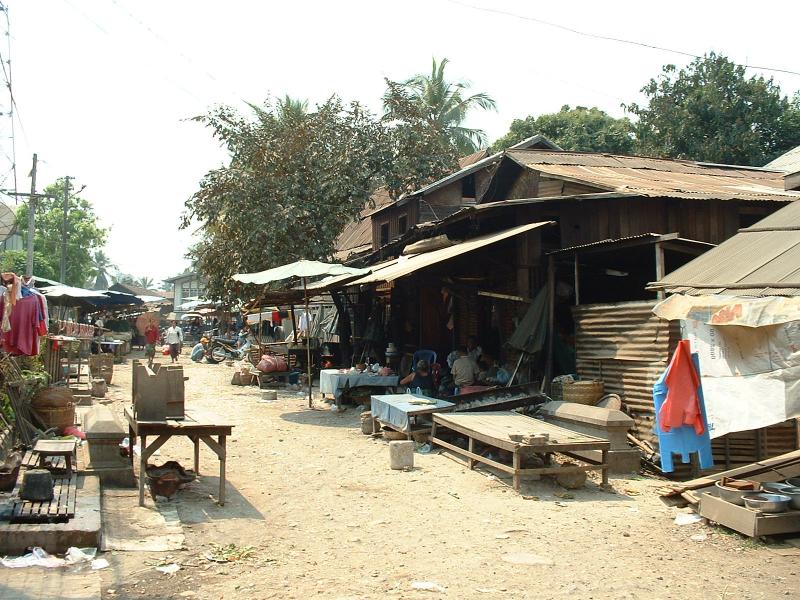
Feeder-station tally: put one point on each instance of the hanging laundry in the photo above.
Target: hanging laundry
(682, 406)
(27, 320)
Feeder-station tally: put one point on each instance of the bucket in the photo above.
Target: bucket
(366, 423)
(99, 387)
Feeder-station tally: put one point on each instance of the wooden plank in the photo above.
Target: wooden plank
(473, 456)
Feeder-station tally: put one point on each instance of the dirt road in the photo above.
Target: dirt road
(327, 518)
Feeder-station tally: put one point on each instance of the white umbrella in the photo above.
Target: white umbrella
(302, 269)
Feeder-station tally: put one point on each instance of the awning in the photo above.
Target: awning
(405, 265)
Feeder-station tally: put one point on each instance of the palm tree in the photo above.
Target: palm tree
(101, 265)
(145, 282)
(292, 108)
(446, 106)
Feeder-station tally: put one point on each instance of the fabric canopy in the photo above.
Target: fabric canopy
(300, 268)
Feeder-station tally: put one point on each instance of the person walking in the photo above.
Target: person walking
(151, 336)
(174, 338)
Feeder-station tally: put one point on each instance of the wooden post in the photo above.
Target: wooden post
(551, 295)
(659, 268)
(308, 342)
(577, 282)
(294, 323)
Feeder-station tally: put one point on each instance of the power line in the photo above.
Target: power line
(164, 41)
(607, 38)
(106, 32)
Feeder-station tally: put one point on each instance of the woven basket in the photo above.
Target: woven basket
(60, 417)
(582, 392)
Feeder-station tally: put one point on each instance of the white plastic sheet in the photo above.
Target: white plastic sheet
(750, 376)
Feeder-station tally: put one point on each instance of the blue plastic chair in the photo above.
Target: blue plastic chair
(681, 440)
(428, 355)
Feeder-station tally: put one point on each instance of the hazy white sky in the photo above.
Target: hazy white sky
(104, 87)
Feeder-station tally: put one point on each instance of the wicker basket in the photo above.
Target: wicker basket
(582, 392)
(102, 365)
(59, 417)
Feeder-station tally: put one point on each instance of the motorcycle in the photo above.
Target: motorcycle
(222, 348)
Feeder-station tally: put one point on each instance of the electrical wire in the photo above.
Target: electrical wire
(13, 109)
(106, 32)
(607, 38)
(164, 41)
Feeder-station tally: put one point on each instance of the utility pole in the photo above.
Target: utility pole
(64, 231)
(31, 218)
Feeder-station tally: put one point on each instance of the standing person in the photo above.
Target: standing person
(174, 338)
(151, 336)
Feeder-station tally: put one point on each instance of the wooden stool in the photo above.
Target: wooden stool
(48, 448)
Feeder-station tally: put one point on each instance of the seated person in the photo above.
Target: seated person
(473, 349)
(200, 350)
(420, 378)
(465, 370)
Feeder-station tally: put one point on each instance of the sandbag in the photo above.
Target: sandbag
(270, 363)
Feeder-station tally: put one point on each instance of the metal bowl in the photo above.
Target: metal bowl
(794, 494)
(767, 503)
(775, 488)
(731, 495)
(794, 481)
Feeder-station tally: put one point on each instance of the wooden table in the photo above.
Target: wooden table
(400, 411)
(196, 425)
(49, 448)
(493, 429)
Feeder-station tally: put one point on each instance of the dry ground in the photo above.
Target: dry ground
(328, 519)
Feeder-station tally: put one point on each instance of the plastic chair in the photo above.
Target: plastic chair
(681, 440)
(428, 355)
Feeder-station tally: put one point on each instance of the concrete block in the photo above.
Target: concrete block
(83, 531)
(401, 454)
(102, 456)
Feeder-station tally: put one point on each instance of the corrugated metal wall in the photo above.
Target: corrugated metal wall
(628, 347)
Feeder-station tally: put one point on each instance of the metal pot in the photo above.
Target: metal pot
(775, 488)
(794, 494)
(731, 495)
(767, 503)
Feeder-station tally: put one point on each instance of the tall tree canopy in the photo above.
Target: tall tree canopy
(293, 179)
(85, 237)
(580, 129)
(296, 177)
(444, 104)
(711, 111)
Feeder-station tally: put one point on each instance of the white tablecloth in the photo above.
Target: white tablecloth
(332, 381)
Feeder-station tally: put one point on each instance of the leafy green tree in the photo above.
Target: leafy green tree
(711, 111)
(85, 236)
(292, 182)
(580, 129)
(145, 282)
(16, 262)
(444, 105)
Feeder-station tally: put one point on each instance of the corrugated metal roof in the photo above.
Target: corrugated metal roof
(762, 260)
(789, 162)
(659, 177)
(406, 265)
(644, 238)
